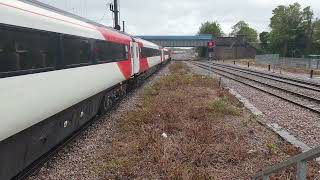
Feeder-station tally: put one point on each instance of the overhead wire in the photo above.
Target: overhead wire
(104, 14)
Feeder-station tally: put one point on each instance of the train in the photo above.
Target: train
(57, 72)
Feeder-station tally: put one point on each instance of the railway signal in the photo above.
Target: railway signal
(211, 45)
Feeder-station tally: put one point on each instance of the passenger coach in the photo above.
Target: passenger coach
(57, 72)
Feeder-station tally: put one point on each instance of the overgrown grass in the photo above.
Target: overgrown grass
(222, 106)
(179, 68)
(202, 136)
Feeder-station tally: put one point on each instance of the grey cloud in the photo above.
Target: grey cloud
(175, 17)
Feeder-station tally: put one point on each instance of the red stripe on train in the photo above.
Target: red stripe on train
(126, 65)
(144, 66)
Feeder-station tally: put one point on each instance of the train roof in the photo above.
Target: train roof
(147, 43)
(62, 12)
(71, 15)
(24, 13)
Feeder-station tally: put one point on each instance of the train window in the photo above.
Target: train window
(1, 42)
(149, 52)
(110, 51)
(126, 52)
(22, 50)
(131, 52)
(76, 51)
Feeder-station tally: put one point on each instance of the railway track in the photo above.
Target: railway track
(299, 92)
(291, 81)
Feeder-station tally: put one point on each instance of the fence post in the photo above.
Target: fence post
(311, 73)
(265, 178)
(302, 170)
(220, 82)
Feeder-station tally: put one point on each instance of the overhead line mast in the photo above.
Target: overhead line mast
(115, 9)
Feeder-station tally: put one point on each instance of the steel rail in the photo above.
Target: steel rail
(210, 68)
(305, 85)
(279, 88)
(278, 76)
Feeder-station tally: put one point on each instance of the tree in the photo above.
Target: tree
(264, 39)
(242, 28)
(292, 30)
(211, 28)
(315, 49)
(308, 25)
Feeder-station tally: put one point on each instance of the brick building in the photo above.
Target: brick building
(233, 48)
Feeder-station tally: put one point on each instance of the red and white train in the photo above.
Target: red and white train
(57, 72)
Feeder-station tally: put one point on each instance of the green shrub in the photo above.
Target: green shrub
(222, 106)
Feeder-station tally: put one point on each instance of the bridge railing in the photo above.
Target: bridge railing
(300, 161)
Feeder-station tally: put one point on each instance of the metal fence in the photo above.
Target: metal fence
(274, 59)
(300, 161)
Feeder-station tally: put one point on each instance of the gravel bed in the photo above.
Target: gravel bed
(301, 123)
(302, 76)
(292, 88)
(300, 100)
(72, 161)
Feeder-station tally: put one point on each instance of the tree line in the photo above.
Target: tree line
(294, 32)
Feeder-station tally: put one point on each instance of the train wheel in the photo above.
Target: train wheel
(106, 104)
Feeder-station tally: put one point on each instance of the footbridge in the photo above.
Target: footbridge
(179, 41)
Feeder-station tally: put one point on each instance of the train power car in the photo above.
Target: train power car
(166, 54)
(57, 72)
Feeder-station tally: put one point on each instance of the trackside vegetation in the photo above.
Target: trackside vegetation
(294, 32)
(185, 127)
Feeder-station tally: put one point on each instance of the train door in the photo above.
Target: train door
(135, 57)
(162, 55)
(132, 58)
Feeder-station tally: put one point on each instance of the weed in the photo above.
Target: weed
(201, 142)
(115, 164)
(179, 68)
(231, 99)
(272, 148)
(248, 120)
(149, 91)
(222, 106)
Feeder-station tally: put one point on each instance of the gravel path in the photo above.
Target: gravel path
(72, 161)
(301, 123)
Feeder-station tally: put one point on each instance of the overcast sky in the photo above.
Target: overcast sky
(180, 17)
